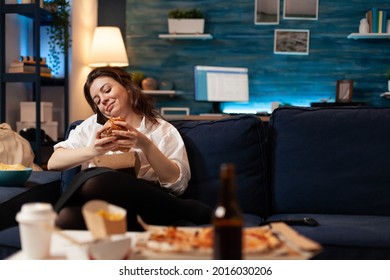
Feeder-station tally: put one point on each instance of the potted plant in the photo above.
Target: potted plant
(387, 74)
(137, 77)
(58, 31)
(183, 21)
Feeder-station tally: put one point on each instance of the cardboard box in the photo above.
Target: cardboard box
(27, 111)
(50, 128)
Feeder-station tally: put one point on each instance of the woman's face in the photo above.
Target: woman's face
(111, 97)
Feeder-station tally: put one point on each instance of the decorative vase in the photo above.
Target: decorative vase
(149, 84)
(165, 85)
(364, 27)
(388, 26)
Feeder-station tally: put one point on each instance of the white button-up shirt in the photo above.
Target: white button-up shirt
(164, 135)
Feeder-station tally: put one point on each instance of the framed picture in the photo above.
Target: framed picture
(291, 41)
(300, 9)
(344, 91)
(267, 11)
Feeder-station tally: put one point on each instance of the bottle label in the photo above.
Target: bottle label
(228, 243)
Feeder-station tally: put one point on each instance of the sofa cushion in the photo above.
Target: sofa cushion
(347, 236)
(345, 230)
(9, 242)
(239, 140)
(330, 160)
(42, 186)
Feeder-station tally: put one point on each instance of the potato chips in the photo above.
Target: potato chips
(18, 166)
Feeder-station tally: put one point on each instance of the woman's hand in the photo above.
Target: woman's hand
(103, 145)
(166, 170)
(129, 138)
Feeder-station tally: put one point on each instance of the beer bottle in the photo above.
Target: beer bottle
(227, 218)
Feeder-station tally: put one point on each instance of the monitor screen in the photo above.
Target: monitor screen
(221, 84)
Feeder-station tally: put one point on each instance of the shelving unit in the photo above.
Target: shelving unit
(186, 36)
(160, 92)
(40, 17)
(357, 36)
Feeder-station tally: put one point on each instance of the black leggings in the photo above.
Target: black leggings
(139, 197)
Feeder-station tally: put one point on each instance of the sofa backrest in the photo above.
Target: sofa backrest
(239, 140)
(330, 160)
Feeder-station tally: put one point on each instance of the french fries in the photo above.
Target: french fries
(110, 216)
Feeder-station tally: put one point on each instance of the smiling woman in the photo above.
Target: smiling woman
(163, 171)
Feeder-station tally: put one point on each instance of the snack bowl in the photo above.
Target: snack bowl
(113, 248)
(14, 177)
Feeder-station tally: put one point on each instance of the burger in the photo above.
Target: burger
(111, 126)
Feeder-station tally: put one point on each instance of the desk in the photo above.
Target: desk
(205, 117)
(336, 104)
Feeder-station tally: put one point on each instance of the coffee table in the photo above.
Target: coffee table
(59, 244)
(302, 247)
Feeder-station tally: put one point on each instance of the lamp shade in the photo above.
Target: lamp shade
(108, 48)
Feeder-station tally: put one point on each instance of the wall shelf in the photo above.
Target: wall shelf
(28, 10)
(160, 92)
(186, 36)
(357, 36)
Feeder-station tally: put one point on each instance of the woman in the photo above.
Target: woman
(163, 171)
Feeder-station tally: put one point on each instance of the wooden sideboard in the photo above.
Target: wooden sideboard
(207, 117)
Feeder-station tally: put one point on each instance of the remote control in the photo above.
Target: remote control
(294, 221)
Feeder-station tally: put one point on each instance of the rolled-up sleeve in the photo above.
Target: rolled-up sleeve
(169, 141)
(81, 136)
(175, 150)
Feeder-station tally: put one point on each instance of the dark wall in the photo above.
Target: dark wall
(289, 79)
(112, 13)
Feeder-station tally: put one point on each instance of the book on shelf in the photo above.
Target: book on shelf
(384, 22)
(29, 67)
(369, 19)
(377, 20)
(374, 20)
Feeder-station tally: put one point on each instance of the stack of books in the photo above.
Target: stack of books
(377, 20)
(26, 64)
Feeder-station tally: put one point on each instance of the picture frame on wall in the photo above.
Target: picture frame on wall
(267, 12)
(291, 41)
(300, 9)
(344, 91)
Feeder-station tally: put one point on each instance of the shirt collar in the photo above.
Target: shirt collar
(142, 126)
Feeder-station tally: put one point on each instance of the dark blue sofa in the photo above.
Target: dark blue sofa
(42, 186)
(324, 163)
(331, 164)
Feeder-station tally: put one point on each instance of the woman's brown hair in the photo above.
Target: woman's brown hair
(142, 104)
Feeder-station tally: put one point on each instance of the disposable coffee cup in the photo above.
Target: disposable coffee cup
(35, 223)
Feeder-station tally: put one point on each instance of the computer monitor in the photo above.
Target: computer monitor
(221, 84)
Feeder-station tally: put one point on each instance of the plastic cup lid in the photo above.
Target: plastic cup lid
(35, 212)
